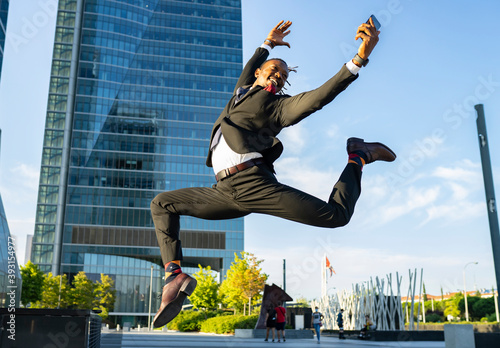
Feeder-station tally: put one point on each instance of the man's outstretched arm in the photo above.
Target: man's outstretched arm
(298, 107)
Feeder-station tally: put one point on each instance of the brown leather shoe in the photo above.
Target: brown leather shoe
(172, 297)
(373, 151)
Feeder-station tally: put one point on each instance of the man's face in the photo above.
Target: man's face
(272, 72)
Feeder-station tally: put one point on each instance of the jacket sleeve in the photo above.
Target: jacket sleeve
(294, 109)
(247, 76)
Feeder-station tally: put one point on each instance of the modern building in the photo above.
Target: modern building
(135, 88)
(10, 278)
(4, 10)
(29, 244)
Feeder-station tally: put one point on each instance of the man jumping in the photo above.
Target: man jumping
(243, 148)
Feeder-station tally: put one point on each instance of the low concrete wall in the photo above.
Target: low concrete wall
(476, 327)
(407, 336)
(261, 333)
(402, 336)
(481, 339)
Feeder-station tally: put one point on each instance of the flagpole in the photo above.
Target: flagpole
(323, 277)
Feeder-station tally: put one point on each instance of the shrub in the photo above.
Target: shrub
(492, 317)
(434, 318)
(247, 322)
(226, 324)
(190, 320)
(186, 321)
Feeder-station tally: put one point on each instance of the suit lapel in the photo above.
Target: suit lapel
(247, 94)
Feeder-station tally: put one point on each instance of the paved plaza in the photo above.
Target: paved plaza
(171, 339)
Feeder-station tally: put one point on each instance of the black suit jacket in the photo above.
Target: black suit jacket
(254, 122)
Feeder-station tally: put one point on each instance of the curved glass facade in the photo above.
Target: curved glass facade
(10, 276)
(134, 91)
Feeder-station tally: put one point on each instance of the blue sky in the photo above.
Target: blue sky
(434, 61)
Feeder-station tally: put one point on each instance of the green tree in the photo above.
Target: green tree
(32, 278)
(471, 301)
(452, 306)
(483, 307)
(244, 282)
(104, 295)
(82, 292)
(302, 302)
(55, 292)
(439, 306)
(205, 296)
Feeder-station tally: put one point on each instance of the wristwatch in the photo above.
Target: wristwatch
(360, 60)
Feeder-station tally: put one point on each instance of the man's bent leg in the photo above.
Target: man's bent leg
(167, 227)
(201, 202)
(346, 191)
(166, 209)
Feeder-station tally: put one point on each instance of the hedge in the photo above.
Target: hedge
(227, 324)
(191, 320)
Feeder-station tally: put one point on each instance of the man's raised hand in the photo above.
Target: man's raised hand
(369, 34)
(277, 34)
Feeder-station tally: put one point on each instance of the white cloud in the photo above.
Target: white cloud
(449, 193)
(301, 174)
(411, 201)
(465, 171)
(454, 211)
(23, 176)
(446, 192)
(295, 138)
(460, 183)
(20, 187)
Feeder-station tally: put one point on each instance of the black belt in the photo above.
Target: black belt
(238, 168)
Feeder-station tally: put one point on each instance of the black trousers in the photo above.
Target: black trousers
(254, 190)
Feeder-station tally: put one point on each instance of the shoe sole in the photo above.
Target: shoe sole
(174, 307)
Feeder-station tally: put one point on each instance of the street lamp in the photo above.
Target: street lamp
(331, 288)
(465, 293)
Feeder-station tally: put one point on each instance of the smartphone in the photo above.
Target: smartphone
(375, 22)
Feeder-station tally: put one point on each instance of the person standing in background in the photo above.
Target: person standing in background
(280, 320)
(340, 323)
(270, 322)
(317, 317)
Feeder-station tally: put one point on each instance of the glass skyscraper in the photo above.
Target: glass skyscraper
(4, 9)
(10, 277)
(8, 258)
(135, 88)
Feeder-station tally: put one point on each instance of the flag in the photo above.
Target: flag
(329, 267)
